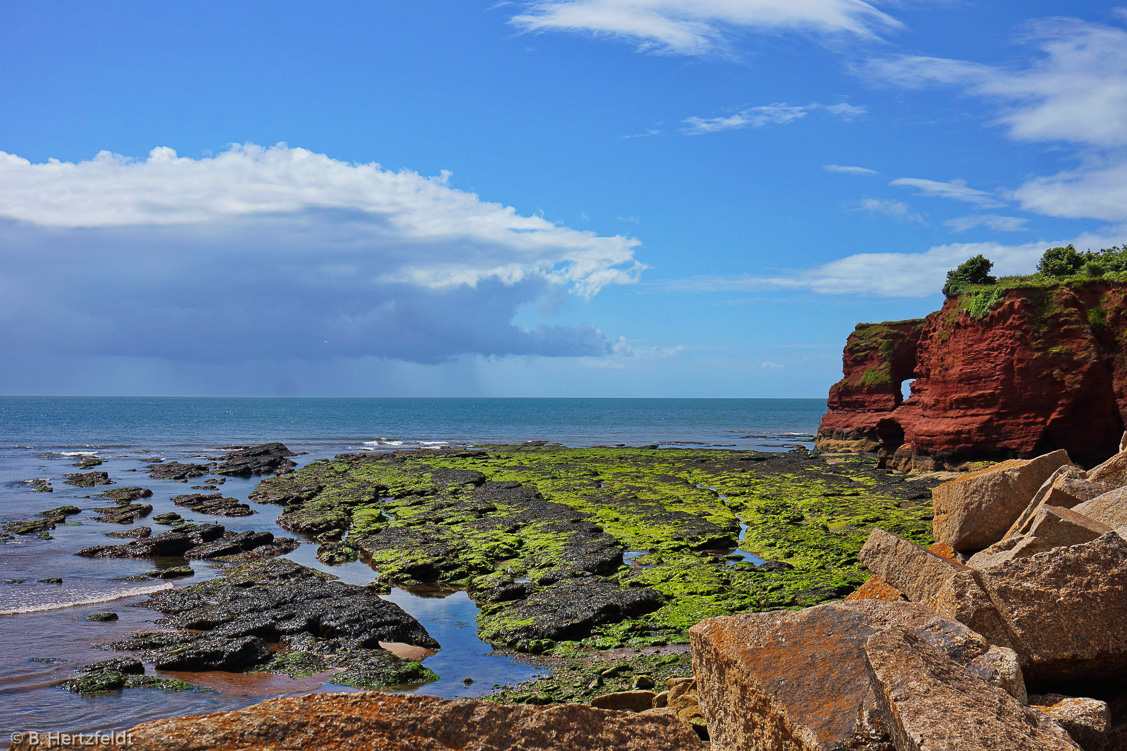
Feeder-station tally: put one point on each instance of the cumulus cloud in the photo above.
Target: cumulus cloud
(1074, 91)
(894, 209)
(896, 274)
(844, 169)
(280, 253)
(955, 190)
(700, 27)
(778, 113)
(992, 221)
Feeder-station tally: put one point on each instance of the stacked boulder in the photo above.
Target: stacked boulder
(1009, 633)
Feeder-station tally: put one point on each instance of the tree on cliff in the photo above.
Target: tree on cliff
(1061, 262)
(971, 271)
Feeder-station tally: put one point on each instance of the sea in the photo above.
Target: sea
(44, 634)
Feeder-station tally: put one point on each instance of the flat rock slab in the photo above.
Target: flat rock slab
(1051, 527)
(1108, 508)
(910, 568)
(396, 722)
(1067, 487)
(933, 704)
(797, 680)
(977, 510)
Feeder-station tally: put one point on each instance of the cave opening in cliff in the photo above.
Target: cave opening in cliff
(906, 390)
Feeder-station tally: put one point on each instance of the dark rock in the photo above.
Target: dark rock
(51, 580)
(88, 462)
(214, 504)
(176, 471)
(126, 514)
(267, 458)
(39, 484)
(137, 533)
(175, 572)
(214, 653)
(197, 542)
(170, 518)
(127, 665)
(102, 617)
(89, 479)
(126, 495)
(48, 521)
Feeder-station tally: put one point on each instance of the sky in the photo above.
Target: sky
(560, 198)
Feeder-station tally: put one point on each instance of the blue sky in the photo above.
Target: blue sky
(553, 198)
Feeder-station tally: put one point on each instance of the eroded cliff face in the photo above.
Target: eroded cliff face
(1044, 367)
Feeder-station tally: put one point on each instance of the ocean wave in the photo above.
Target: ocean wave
(388, 443)
(105, 597)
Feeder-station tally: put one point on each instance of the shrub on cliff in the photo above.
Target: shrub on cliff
(1061, 262)
(971, 271)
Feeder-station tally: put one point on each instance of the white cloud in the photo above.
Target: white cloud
(848, 170)
(1077, 90)
(896, 274)
(1074, 91)
(894, 209)
(699, 27)
(991, 221)
(778, 113)
(269, 253)
(956, 190)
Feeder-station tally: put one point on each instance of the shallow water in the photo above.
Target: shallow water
(44, 437)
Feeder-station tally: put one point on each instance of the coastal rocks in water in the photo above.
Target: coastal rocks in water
(570, 609)
(88, 462)
(126, 513)
(126, 495)
(39, 484)
(137, 533)
(799, 680)
(1041, 370)
(88, 479)
(177, 471)
(46, 522)
(174, 572)
(198, 542)
(267, 458)
(231, 619)
(403, 722)
(976, 510)
(101, 617)
(117, 674)
(933, 704)
(214, 504)
(170, 518)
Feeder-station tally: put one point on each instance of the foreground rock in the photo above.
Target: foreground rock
(265, 459)
(931, 703)
(322, 624)
(799, 679)
(977, 510)
(202, 542)
(396, 722)
(47, 521)
(88, 479)
(177, 471)
(213, 503)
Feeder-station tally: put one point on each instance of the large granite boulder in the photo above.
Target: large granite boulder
(1069, 486)
(398, 722)
(1109, 508)
(1064, 611)
(1088, 721)
(933, 704)
(798, 681)
(906, 566)
(975, 511)
(1052, 527)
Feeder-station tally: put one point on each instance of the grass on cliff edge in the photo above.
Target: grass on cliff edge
(678, 512)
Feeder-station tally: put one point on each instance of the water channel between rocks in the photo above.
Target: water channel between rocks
(45, 636)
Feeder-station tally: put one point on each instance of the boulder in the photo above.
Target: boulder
(1113, 471)
(625, 701)
(1052, 527)
(797, 680)
(931, 703)
(1088, 721)
(876, 588)
(263, 459)
(404, 722)
(1061, 610)
(975, 511)
(914, 570)
(1067, 487)
(1109, 508)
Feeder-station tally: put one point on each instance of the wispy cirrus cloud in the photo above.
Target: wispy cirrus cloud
(1072, 91)
(895, 209)
(893, 274)
(955, 190)
(996, 222)
(279, 252)
(844, 169)
(779, 113)
(702, 27)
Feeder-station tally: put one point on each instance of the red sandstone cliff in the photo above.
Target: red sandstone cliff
(1044, 368)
